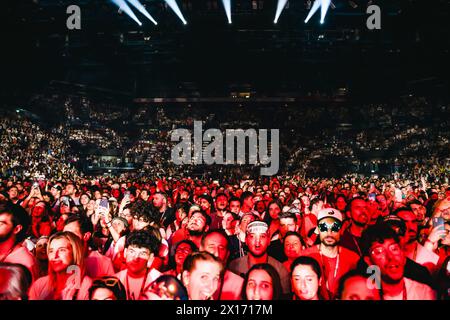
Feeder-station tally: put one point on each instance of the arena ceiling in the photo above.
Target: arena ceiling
(210, 57)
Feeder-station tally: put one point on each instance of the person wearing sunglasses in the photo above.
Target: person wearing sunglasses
(107, 288)
(334, 259)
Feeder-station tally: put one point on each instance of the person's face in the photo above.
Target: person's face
(217, 245)
(69, 190)
(202, 282)
(204, 204)
(228, 222)
(245, 221)
(444, 209)
(90, 205)
(259, 286)
(60, 255)
(38, 210)
(411, 225)
(13, 193)
(356, 288)
(235, 207)
(41, 249)
(329, 232)
(359, 212)
(292, 247)
(139, 223)
(74, 227)
(257, 243)
(306, 201)
(128, 216)
(287, 224)
(446, 240)
(197, 222)
(420, 212)
(184, 196)
(6, 227)
(341, 204)
(144, 195)
(180, 214)
(97, 195)
(274, 210)
(84, 199)
(382, 202)
(260, 207)
(305, 283)
(54, 192)
(183, 250)
(158, 200)
(118, 226)
(103, 294)
(248, 202)
(389, 257)
(137, 258)
(221, 203)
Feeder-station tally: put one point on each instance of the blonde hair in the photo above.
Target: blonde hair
(78, 255)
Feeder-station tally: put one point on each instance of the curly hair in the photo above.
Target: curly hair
(143, 239)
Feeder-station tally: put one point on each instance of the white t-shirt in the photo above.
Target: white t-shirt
(414, 291)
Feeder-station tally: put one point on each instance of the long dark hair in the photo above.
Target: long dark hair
(272, 272)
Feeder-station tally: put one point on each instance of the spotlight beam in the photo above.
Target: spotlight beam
(142, 10)
(324, 5)
(173, 4)
(227, 6)
(280, 7)
(125, 8)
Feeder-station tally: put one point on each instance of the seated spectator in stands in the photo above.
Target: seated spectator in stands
(15, 223)
(202, 273)
(15, 281)
(262, 282)
(381, 247)
(356, 285)
(66, 279)
(140, 250)
(306, 278)
(107, 288)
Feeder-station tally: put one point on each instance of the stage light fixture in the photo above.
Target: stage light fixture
(142, 10)
(227, 6)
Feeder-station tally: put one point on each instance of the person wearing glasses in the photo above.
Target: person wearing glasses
(107, 288)
(334, 259)
(140, 250)
(381, 248)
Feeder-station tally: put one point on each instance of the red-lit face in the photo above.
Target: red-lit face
(359, 212)
(292, 247)
(341, 204)
(257, 243)
(412, 226)
(221, 203)
(235, 207)
(183, 250)
(274, 210)
(60, 255)
(137, 258)
(259, 286)
(389, 257)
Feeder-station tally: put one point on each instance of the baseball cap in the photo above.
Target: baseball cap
(396, 223)
(329, 213)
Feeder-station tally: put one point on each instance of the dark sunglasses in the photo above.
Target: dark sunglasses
(324, 227)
